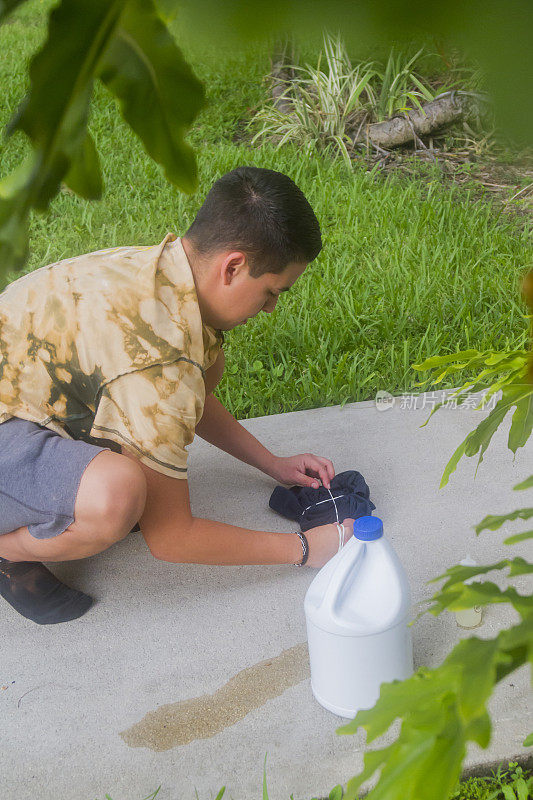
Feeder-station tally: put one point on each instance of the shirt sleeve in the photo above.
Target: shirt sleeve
(213, 341)
(153, 414)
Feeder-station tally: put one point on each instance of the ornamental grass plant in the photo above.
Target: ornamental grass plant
(328, 105)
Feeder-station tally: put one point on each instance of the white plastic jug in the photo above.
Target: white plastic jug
(357, 610)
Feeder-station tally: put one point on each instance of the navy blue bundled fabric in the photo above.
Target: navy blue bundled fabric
(312, 507)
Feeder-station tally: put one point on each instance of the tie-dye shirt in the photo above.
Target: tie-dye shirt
(110, 346)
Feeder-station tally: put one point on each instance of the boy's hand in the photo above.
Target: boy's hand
(302, 470)
(323, 542)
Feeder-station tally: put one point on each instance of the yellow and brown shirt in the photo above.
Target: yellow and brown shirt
(110, 346)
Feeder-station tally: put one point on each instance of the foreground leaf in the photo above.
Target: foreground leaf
(492, 522)
(129, 46)
(441, 710)
(527, 484)
(7, 6)
(479, 439)
(55, 121)
(85, 176)
(519, 537)
(158, 93)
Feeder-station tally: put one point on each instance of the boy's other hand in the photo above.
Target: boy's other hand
(323, 542)
(303, 470)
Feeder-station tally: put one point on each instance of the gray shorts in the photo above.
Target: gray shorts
(40, 473)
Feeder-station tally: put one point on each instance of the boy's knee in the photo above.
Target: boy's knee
(123, 500)
(118, 498)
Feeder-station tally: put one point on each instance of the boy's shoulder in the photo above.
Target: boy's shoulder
(110, 271)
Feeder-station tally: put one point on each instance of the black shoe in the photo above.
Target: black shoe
(38, 595)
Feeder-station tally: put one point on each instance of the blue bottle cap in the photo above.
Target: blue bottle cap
(367, 529)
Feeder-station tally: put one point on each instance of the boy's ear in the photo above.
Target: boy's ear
(232, 265)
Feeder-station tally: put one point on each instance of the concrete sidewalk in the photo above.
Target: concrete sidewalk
(186, 675)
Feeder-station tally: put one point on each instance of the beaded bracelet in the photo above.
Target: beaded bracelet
(305, 546)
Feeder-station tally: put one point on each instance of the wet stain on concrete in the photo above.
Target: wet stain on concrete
(202, 717)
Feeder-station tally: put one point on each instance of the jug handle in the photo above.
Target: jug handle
(346, 564)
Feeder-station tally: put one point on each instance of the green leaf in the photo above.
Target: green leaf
(336, 793)
(518, 636)
(461, 596)
(7, 6)
(527, 484)
(522, 423)
(475, 660)
(488, 426)
(265, 791)
(398, 700)
(454, 460)
(514, 393)
(479, 730)
(437, 361)
(151, 796)
(443, 762)
(14, 222)
(519, 566)
(141, 63)
(528, 741)
(479, 439)
(521, 789)
(493, 522)
(54, 120)
(458, 574)
(519, 537)
(84, 176)
(503, 359)
(221, 792)
(158, 93)
(441, 710)
(372, 761)
(433, 411)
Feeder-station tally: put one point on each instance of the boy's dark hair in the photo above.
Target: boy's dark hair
(261, 212)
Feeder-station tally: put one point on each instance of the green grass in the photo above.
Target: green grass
(409, 269)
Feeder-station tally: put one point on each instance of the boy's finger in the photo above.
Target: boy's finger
(328, 465)
(308, 480)
(324, 477)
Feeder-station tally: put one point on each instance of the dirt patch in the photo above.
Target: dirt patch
(179, 723)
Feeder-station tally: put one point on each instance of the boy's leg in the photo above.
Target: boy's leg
(110, 499)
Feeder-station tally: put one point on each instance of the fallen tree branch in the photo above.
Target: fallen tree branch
(412, 125)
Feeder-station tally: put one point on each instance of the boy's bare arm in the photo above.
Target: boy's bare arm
(221, 429)
(173, 534)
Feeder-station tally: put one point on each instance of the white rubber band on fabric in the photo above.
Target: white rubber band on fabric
(340, 526)
(335, 504)
(341, 530)
(328, 500)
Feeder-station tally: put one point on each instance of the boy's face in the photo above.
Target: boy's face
(233, 296)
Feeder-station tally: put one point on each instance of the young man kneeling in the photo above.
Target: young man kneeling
(108, 365)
